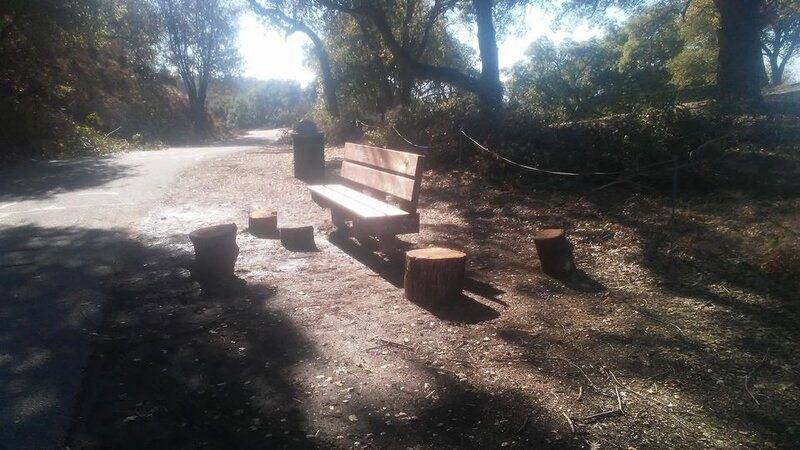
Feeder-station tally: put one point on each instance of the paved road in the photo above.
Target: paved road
(65, 228)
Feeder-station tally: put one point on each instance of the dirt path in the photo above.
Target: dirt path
(321, 349)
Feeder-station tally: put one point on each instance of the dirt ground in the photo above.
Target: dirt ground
(683, 322)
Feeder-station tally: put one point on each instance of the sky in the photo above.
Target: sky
(268, 54)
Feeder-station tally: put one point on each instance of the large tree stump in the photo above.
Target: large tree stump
(434, 275)
(555, 252)
(215, 252)
(300, 238)
(263, 223)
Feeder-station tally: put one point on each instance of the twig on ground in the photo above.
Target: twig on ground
(603, 415)
(569, 421)
(746, 388)
(580, 393)
(113, 131)
(580, 370)
(612, 413)
(640, 395)
(747, 377)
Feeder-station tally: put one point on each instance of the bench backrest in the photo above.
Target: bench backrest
(380, 172)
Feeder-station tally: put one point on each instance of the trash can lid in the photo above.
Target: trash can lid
(306, 126)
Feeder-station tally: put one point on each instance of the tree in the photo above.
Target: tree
(573, 80)
(201, 45)
(780, 40)
(292, 17)
(649, 40)
(739, 65)
(696, 62)
(740, 69)
(369, 76)
(486, 86)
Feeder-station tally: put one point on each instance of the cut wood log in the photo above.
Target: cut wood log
(215, 252)
(263, 223)
(299, 238)
(555, 252)
(434, 275)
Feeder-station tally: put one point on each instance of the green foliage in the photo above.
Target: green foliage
(649, 41)
(696, 63)
(781, 36)
(78, 65)
(573, 80)
(370, 82)
(639, 64)
(247, 103)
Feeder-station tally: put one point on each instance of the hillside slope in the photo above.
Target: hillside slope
(69, 85)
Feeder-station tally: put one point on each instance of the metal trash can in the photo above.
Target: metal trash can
(308, 145)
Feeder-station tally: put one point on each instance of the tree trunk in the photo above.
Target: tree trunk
(324, 60)
(328, 82)
(434, 275)
(740, 66)
(197, 107)
(491, 92)
(405, 82)
(776, 70)
(385, 98)
(291, 25)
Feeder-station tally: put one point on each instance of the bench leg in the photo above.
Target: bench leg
(389, 245)
(339, 221)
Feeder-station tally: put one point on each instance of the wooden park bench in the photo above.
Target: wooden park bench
(378, 193)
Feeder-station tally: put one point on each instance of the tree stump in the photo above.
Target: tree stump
(434, 275)
(555, 252)
(263, 223)
(215, 252)
(298, 238)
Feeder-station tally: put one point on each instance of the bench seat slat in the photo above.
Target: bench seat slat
(356, 203)
(386, 208)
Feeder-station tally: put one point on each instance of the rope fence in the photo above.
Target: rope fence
(426, 147)
(673, 163)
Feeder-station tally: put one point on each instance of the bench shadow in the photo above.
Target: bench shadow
(389, 268)
(464, 309)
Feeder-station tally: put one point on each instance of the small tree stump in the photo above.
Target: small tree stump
(215, 252)
(555, 252)
(434, 275)
(298, 238)
(263, 223)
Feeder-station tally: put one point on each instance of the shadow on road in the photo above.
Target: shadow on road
(41, 180)
(168, 365)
